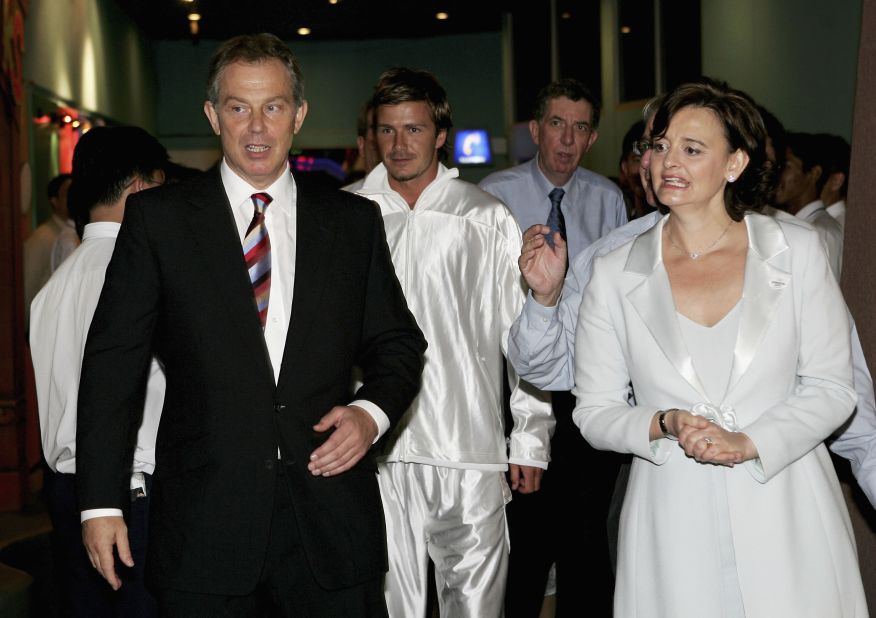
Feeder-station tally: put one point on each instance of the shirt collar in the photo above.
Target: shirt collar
(545, 185)
(282, 190)
(101, 229)
(810, 209)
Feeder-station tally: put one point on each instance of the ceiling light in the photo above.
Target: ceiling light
(566, 15)
(626, 30)
(304, 31)
(333, 1)
(68, 118)
(442, 16)
(75, 124)
(194, 17)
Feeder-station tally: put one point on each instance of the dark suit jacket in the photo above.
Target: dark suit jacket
(177, 287)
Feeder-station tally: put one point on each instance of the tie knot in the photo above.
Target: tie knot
(260, 201)
(556, 195)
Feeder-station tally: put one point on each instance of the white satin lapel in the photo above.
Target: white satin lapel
(767, 277)
(653, 301)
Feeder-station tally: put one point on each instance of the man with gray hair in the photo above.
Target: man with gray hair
(259, 298)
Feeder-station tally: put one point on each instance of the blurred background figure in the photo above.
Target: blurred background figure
(799, 192)
(835, 155)
(628, 177)
(369, 156)
(38, 247)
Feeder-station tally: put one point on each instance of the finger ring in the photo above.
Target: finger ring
(708, 440)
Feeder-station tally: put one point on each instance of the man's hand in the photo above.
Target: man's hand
(525, 479)
(355, 431)
(543, 266)
(99, 535)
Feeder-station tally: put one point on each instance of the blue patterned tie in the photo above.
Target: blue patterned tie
(556, 221)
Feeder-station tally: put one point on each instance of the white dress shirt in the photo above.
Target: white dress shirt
(60, 316)
(837, 210)
(281, 221)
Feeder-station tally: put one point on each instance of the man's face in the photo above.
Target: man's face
(563, 136)
(645, 165)
(256, 118)
(629, 173)
(796, 187)
(408, 141)
(368, 145)
(59, 202)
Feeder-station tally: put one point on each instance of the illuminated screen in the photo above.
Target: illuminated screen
(472, 147)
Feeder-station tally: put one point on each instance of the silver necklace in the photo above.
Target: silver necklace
(695, 255)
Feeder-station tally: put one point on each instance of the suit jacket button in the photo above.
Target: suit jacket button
(279, 407)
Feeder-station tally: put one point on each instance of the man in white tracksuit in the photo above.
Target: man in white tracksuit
(455, 251)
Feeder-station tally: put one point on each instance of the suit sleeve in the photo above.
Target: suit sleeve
(115, 367)
(392, 346)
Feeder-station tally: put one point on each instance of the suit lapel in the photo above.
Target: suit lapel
(214, 234)
(767, 277)
(652, 300)
(314, 239)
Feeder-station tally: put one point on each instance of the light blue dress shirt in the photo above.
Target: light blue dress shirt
(592, 205)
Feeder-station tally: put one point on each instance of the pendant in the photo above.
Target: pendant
(693, 255)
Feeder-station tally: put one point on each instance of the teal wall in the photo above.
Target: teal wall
(90, 53)
(338, 77)
(796, 57)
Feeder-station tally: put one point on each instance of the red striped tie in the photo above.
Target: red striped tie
(257, 253)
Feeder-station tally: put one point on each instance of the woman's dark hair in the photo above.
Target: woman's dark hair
(743, 129)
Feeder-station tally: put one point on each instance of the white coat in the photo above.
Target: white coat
(777, 526)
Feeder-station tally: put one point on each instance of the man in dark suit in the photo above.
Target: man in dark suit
(259, 296)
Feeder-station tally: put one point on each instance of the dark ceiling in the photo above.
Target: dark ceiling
(346, 19)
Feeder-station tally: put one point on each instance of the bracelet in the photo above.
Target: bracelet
(661, 421)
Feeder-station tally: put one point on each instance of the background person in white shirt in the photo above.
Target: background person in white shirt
(109, 164)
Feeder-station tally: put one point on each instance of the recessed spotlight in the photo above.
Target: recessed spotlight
(566, 15)
(194, 17)
(68, 118)
(75, 124)
(626, 30)
(304, 31)
(334, 1)
(442, 16)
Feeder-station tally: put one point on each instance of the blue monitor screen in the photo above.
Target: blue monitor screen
(472, 147)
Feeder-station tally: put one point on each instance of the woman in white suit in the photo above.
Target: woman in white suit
(732, 334)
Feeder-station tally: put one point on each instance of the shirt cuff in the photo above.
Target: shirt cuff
(528, 462)
(92, 513)
(537, 313)
(377, 414)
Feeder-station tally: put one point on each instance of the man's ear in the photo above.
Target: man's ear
(533, 131)
(441, 138)
(594, 135)
(836, 181)
(300, 114)
(212, 116)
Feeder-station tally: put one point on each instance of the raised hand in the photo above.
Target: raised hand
(543, 267)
